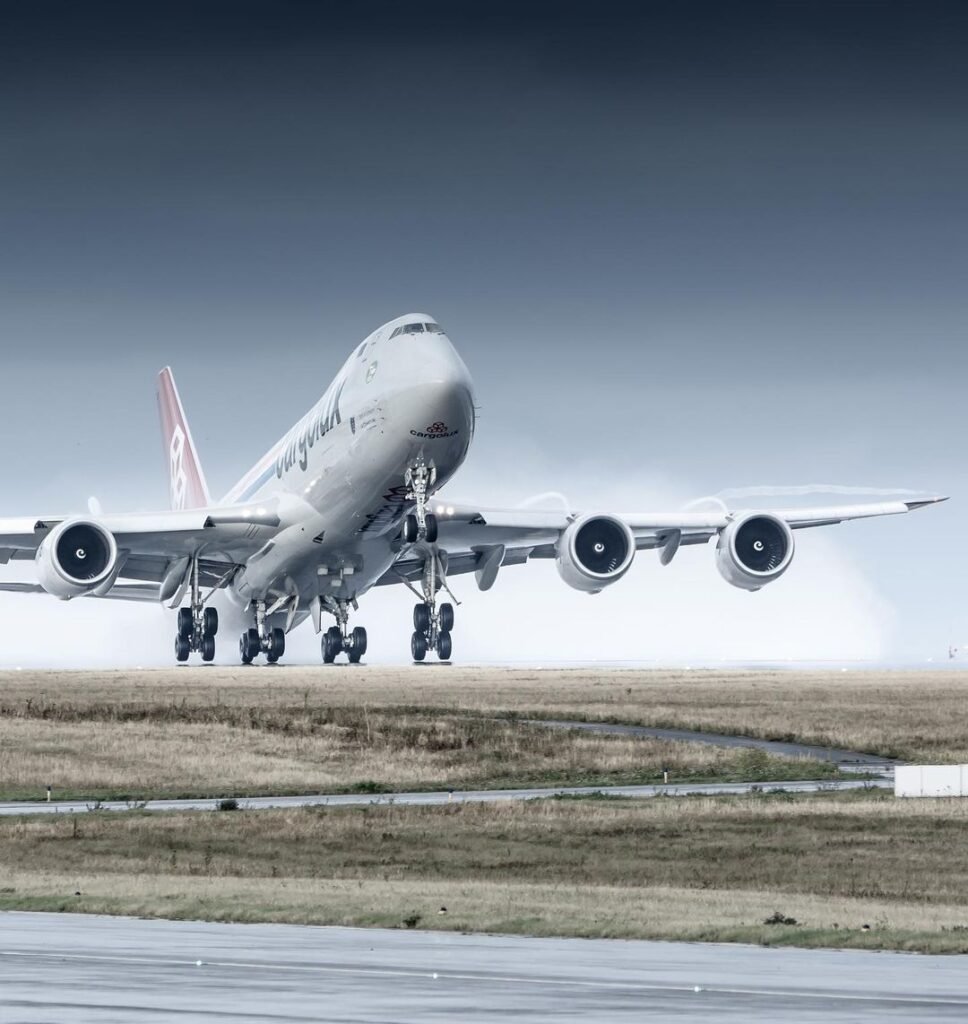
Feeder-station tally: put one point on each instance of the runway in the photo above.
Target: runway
(16, 808)
(100, 970)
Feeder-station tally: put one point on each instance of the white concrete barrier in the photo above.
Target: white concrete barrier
(931, 780)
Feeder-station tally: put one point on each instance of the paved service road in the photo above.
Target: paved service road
(842, 758)
(468, 796)
(74, 969)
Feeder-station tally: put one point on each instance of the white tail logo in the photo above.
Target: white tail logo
(178, 481)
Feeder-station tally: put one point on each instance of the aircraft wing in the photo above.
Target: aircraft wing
(152, 542)
(482, 540)
(119, 592)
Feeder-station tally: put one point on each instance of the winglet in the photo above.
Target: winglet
(186, 481)
(912, 505)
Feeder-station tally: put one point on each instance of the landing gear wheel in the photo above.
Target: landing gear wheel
(182, 647)
(418, 646)
(358, 640)
(277, 645)
(186, 623)
(249, 646)
(444, 646)
(446, 617)
(430, 529)
(210, 622)
(421, 617)
(208, 648)
(332, 644)
(357, 645)
(410, 530)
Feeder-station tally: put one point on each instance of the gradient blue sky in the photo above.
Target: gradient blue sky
(682, 247)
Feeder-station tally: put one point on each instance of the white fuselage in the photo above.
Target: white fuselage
(337, 478)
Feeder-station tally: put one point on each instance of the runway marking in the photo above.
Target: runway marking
(398, 972)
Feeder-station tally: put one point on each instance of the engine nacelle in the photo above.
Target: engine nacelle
(75, 558)
(594, 551)
(754, 550)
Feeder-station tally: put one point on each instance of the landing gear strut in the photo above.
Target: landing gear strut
(197, 624)
(260, 639)
(420, 524)
(432, 624)
(341, 638)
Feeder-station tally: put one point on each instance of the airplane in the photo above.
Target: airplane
(349, 500)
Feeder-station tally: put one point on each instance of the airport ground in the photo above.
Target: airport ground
(850, 869)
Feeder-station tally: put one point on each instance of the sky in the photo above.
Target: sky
(683, 248)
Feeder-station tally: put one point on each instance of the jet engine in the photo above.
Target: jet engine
(594, 551)
(754, 550)
(75, 558)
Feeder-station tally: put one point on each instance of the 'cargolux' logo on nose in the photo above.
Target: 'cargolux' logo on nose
(435, 431)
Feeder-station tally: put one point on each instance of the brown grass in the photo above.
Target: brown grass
(671, 868)
(132, 750)
(915, 715)
(245, 731)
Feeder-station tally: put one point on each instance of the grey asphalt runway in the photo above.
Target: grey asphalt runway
(24, 807)
(75, 969)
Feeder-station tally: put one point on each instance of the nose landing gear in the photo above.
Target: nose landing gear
(420, 524)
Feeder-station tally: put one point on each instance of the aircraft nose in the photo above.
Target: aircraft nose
(437, 400)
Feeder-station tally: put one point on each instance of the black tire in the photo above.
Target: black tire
(332, 644)
(277, 644)
(446, 617)
(182, 648)
(410, 530)
(208, 648)
(421, 617)
(244, 653)
(186, 623)
(444, 646)
(418, 646)
(430, 529)
(358, 643)
(210, 622)
(255, 644)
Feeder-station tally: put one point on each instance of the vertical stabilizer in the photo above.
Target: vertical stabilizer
(186, 481)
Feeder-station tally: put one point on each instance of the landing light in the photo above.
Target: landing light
(450, 510)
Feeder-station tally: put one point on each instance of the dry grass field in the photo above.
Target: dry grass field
(848, 870)
(243, 731)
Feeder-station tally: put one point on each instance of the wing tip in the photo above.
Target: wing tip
(922, 502)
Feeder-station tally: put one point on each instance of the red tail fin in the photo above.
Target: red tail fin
(186, 481)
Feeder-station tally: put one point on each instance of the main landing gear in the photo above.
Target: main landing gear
(197, 624)
(341, 638)
(260, 639)
(431, 630)
(432, 625)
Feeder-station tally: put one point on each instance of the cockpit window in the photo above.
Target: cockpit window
(408, 329)
(434, 328)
